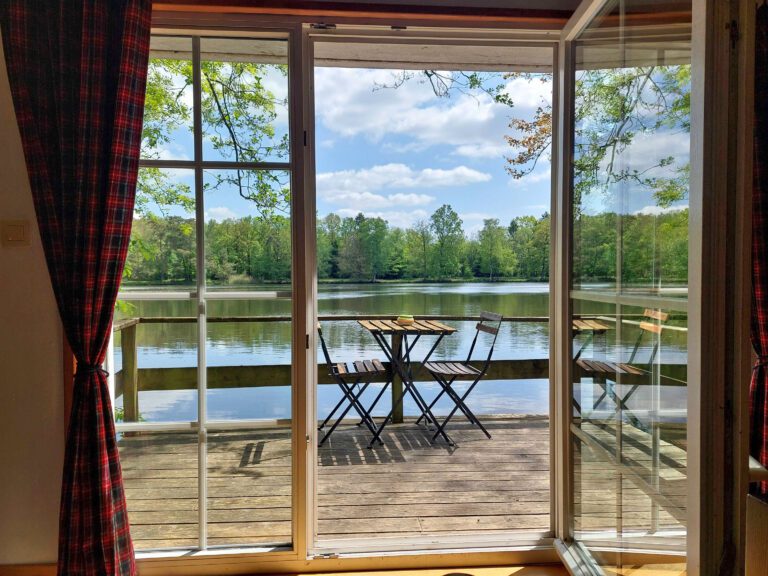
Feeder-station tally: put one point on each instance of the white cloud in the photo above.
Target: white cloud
(277, 83)
(482, 150)
(172, 151)
(657, 210)
(348, 104)
(220, 213)
(647, 149)
(361, 190)
(395, 218)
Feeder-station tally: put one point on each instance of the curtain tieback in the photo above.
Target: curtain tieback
(93, 368)
(760, 362)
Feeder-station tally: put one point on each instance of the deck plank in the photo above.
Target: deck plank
(410, 486)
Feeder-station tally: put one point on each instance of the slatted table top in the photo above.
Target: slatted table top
(418, 327)
(580, 325)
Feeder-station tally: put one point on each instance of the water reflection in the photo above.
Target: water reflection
(164, 345)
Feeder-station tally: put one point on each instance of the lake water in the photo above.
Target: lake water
(259, 343)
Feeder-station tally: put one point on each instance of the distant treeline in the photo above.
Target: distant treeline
(367, 249)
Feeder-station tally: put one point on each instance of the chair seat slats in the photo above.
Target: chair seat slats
(600, 367)
(360, 366)
(452, 369)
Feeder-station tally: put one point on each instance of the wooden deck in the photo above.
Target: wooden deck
(407, 487)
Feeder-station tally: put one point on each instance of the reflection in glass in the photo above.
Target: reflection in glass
(245, 99)
(630, 277)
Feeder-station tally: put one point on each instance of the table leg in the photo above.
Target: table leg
(397, 381)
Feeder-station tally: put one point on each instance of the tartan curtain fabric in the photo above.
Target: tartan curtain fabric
(758, 438)
(78, 72)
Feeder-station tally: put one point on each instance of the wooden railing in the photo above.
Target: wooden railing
(131, 379)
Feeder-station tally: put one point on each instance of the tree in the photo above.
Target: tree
(495, 255)
(395, 249)
(446, 226)
(418, 245)
(363, 252)
(238, 113)
(239, 116)
(529, 239)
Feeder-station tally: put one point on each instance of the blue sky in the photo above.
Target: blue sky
(401, 153)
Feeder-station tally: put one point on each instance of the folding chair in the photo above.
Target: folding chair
(353, 378)
(650, 326)
(446, 373)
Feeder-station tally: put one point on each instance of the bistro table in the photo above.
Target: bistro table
(590, 327)
(398, 352)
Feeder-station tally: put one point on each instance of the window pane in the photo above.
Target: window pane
(245, 99)
(630, 280)
(248, 230)
(249, 360)
(155, 361)
(162, 252)
(161, 488)
(249, 486)
(248, 252)
(167, 132)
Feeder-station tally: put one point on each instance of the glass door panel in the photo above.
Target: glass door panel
(203, 327)
(630, 245)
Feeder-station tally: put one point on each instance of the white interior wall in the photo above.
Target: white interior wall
(31, 386)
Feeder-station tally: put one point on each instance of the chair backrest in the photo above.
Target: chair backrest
(652, 325)
(327, 355)
(490, 322)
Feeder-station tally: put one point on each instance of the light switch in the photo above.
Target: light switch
(14, 233)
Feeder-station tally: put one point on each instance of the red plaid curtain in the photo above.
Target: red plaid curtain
(759, 387)
(78, 72)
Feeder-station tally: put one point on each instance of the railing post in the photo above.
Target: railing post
(130, 373)
(397, 383)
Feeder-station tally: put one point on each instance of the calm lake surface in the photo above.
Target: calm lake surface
(260, 343)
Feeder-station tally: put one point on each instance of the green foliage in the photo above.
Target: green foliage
(652, 248)
(613, 107)
(495, 257)
(529, 242)
(238, 113)
(366, 249)
(445, 224)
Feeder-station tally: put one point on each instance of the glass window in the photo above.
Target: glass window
(631, 165)
(203, 324)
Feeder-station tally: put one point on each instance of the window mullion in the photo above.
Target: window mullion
(202, 468)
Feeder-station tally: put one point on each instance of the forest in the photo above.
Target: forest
(365, 249)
